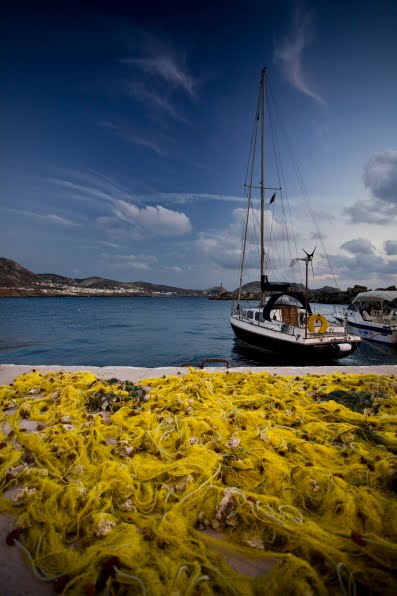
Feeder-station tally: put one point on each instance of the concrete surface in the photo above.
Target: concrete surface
(8, 372)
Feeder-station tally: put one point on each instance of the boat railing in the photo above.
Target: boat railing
(290, 329)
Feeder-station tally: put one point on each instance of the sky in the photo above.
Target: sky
(126, 128)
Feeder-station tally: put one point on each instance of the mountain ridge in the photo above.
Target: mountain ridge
(14, 276)
(16, 280)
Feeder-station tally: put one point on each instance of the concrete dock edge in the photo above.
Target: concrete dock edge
(9, 372)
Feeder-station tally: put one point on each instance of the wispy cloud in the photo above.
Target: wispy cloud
(95, 187)
(156, 100)
(131, 261)
(88, 185)
(122, 208)
(168, 70)
(173, 269)
(289, 53)
(160, 80)
(108, 244)
(48, 217)
(190, 197)
(127, 134)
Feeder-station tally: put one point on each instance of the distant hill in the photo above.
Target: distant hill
(254, 287)
(16, 280)
(324, 295)
(12, 274)
(15, 277)
(327, 290)
(53, 278)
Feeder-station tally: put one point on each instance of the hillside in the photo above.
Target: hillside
(12, 274)
(325, 295)
(16, 280)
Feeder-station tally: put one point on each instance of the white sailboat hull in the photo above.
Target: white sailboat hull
(373, 331)
(289, 340)
(373, 316)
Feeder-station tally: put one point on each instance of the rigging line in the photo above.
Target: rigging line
(252, 249)
(254, 137)
(277, 163)
(281, 178)
(304, 190)
(312, 213)
(279, 259)
(248, 192)
(255, 228)
(242, 243)
(287, 219)
(277, 166)
(252, 143)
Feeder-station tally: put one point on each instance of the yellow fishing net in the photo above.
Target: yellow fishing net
(208, 483)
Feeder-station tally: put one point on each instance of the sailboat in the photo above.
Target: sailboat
(283, 322)
(373, 316)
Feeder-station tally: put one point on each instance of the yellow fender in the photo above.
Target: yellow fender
(313, 319)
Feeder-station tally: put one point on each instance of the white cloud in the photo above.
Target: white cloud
(224, 246)
(95, 187)
(364, 264)
(380, 178)
(131, 261)
(359, 246)
(368, 211)
(391, 247)
(289, 54)
(173, 269)
(147, 220)
(154, 220)
(221, 247)
(48, 217)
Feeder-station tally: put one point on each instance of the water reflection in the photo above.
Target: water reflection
(368, 354)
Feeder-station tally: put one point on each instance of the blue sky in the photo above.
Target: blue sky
(126, 131)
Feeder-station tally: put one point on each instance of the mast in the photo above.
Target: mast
(306, 292)
(262, 184)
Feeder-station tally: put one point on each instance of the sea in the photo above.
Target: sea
(139, 331)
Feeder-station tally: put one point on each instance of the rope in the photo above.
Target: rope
(115, 487)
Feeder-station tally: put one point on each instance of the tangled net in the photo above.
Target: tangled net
(232, 483)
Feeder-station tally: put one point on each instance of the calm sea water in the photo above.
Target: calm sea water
(105, 331)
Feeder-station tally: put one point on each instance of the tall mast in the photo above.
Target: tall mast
(262, 184)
